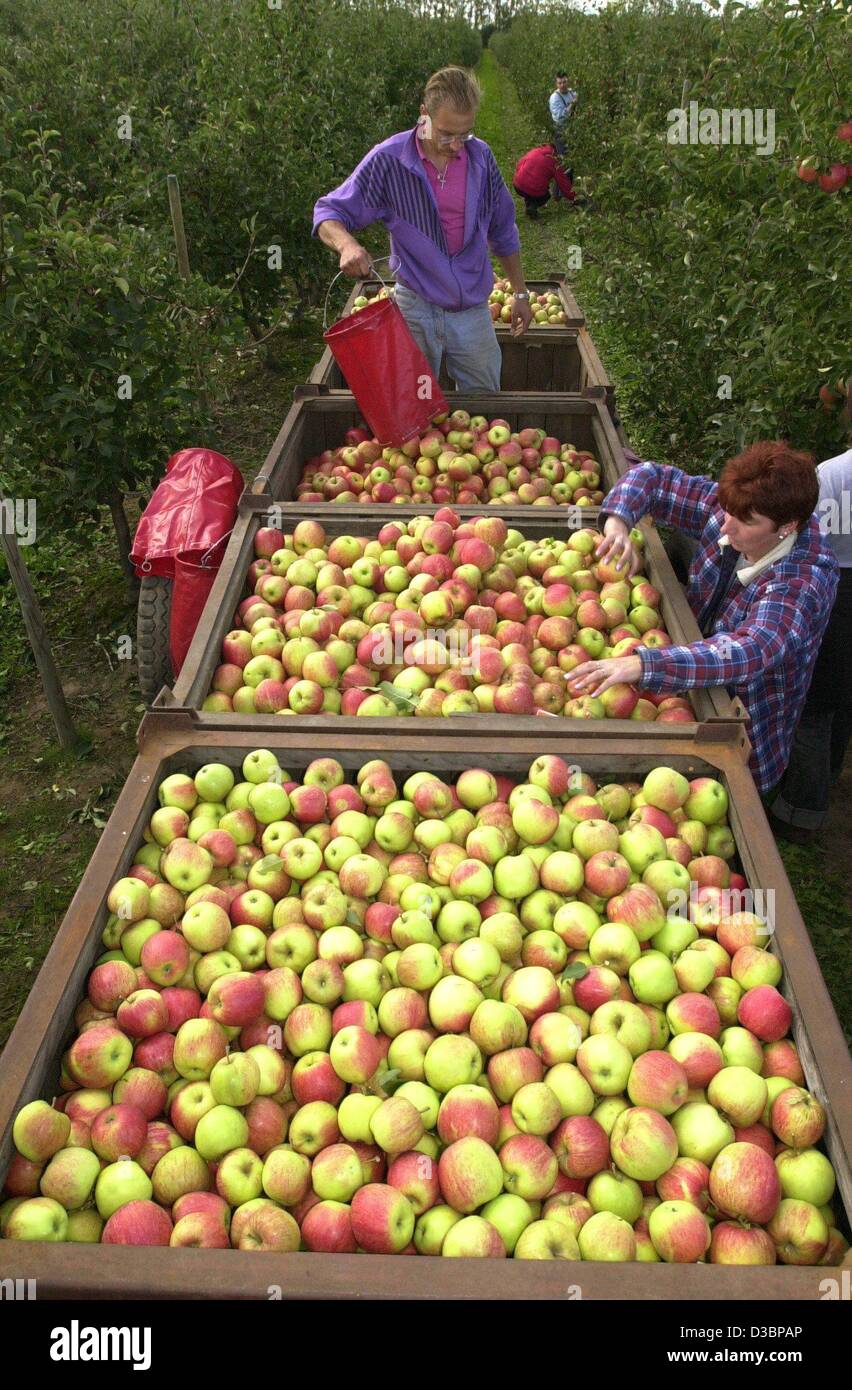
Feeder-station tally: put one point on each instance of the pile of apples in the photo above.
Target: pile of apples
(463, 458)
(547, 308)
(363, 300)
(435, 617)
(485, 1019)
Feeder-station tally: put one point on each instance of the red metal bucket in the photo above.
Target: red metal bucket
(389, 377)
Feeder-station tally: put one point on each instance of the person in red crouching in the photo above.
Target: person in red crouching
(534, 173)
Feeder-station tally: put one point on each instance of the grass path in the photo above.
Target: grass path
(502, 122)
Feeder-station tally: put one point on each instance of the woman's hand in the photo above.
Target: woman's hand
(593, 677)
(616, 547)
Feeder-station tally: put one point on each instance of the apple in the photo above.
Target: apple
(37, 1218)
(533, 991)
(178, 1172)
(555, 1038)
(98, 1057)
(797, 1118)
(235, 1080)
(510, 1216)
(198, 1046)
(336, 1173)
(663, 787)
(473, 1237)
(652, 978)
(40, 1131)
(732, 1243)
(687, 1180)
(70, 1177)
(693, 1013)
(606, 1237)
(432, 1227)
(138, 1222)
(219, 1130)
(119, 1183)
(202, 1230)
(701, 1131)
(497, 1026)
(266, 1227)
(536, 1109)
(744, 1183)
(118, 1130)
(468, 1110)
(382, 1219)
(657, 1081)
(469, 1173)
(546, 1240)
(782, 1059)
(286, 1176)
(738, 1094)
(581, 1146)
(679, 1231)
(643, 1144)
(765, 1012)
(396, 1126)
(799, 1231)
(806, 1175)
(327, 1227)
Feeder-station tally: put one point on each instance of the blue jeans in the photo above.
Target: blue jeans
(466, 337)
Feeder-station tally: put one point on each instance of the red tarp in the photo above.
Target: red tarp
(183, 533)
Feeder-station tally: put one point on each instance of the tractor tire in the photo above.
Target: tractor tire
(153, 660)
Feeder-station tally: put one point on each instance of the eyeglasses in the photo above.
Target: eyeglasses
(427, 131)
(441, 138)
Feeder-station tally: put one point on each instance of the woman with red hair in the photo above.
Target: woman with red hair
(761, 584)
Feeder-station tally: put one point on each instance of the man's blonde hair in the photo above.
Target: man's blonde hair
(454, 87)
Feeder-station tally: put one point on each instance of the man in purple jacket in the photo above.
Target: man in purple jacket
(440, 194)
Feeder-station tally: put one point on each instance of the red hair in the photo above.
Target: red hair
(772, 479)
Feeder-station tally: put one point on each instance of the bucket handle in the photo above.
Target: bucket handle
(373, 265)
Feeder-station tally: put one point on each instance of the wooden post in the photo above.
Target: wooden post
(37, 634)
(684, 93)
(177, 223)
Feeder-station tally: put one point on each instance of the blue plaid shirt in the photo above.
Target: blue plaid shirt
(766, 635)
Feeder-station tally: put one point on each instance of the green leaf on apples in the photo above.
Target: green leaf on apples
(577, 971)
(352, 918)
(392, 693)
(389, 1080)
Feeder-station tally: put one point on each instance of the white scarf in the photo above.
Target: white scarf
(746, 573)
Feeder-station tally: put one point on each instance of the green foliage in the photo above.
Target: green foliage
(708, 261)
(258, 110)
(100, 366)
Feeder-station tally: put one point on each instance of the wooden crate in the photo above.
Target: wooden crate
(31, 1059)
(561, 359)
(714, 708)
(318, 420)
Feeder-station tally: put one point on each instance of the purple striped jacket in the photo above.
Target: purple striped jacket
(765, 637)
(390, 186)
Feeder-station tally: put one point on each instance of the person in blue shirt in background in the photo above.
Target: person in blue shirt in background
(822, 737)
(561, 105)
